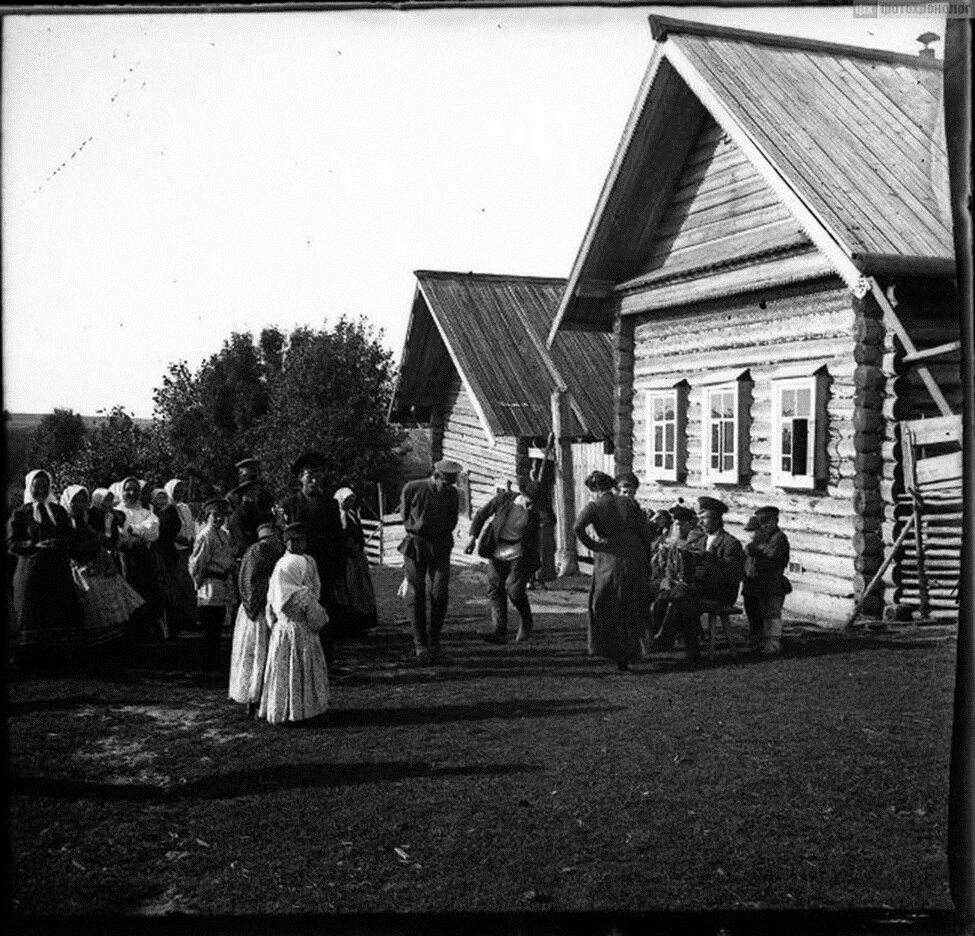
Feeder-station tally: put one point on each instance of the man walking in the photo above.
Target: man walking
(511, 545)
(429, 508)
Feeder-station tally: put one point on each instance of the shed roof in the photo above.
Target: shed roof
(851, 139)
(492, 329)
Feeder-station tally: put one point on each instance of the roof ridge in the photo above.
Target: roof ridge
(662, 26)
(471, 275)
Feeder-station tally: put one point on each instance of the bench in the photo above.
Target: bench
(716, 613)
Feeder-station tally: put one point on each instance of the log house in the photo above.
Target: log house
(772, 253)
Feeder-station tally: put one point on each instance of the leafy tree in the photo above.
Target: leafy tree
(58, 438)
(332, 395)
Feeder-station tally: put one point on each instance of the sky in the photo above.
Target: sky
(168, 179)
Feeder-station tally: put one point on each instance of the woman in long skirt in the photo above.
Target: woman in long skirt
(107, 600)
(140, 529)
(296, 677)
(619, 591)
(47, 613)
(249, 654)
(355, 593)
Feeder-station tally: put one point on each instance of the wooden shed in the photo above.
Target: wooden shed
(476, 369)
(772, 253)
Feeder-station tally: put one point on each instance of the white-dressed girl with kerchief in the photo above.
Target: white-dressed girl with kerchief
(295, 677)
(140, 529)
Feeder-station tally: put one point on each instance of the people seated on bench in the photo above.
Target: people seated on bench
(765, 587)
(708, 568)
(666, 568)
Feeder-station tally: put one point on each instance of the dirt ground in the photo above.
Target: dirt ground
(523, 778)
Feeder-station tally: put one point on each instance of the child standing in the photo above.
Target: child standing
(765, 587)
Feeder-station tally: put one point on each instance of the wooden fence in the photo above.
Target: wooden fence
(383, 535)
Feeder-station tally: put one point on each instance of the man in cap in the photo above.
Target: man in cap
(712, 569)
(765, 587)
(429, 508)
(249, 470)
(511, 545)
(247, 515)
(320, 514)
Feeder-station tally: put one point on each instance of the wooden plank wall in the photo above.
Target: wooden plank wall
(929, 312)
(586, 458)
(465, 441)
(761, 333)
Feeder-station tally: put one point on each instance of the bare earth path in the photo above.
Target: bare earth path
(518, 778)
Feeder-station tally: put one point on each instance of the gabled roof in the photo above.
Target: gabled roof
(492, 329)
(851, 140)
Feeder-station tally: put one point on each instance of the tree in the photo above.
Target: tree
(58, 438)
(332, 395)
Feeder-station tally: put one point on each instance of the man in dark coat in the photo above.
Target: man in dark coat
(249, 471)
(765, 587)
(320, 513)
(247, 516)
(511, 546)
(710, 568)
(429, 508)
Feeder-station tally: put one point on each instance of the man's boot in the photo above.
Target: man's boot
(525, 629)
(772, 637)
(499, 618)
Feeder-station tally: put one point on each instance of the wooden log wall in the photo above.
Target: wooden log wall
(928, 310)
(465, 441)
(623, 392)
(815, 324)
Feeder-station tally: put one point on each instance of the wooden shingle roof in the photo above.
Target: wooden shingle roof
(492, 329)
(852, 140)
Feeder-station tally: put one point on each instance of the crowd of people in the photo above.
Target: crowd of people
(122, 562)
(130, 562)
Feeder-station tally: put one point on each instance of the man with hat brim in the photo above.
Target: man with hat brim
(429, 507)
(247, 515)
(765, 586)
(249, 653)
(312, 506)
(249, 470)
(713, 567)
(511, 545)
(211, 566)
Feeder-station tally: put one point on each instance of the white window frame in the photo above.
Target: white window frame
(816, 459)
(676, 393)
(709, 472)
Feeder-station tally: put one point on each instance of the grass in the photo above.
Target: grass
(522, 778)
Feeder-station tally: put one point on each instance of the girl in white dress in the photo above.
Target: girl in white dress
(295, 676)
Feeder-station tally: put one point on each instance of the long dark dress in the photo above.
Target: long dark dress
(47, 612)
(356, 598)
(178, 592)
(619, 591)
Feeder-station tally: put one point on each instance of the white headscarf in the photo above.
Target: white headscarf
(293, 575)
(29, 498)
(170, 488)
(98, 496)
(341, 495)
(69, 493)
(115, 490)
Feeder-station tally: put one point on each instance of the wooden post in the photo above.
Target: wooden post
(922, 575)
(382, 513)
(567, 558)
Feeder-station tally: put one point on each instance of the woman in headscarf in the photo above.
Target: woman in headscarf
(46, 607)
(249, 654)
(211, 567)
(140, 529)
(295, 677)
(355, 593)
(179, 595)
(619, 589)
(106, 599)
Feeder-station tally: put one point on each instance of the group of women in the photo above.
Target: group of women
(100, 566)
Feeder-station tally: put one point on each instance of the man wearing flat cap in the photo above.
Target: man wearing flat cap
(429, 508)
(511, 545)
(320, 513)
(249, 472)
(765, 587)
(247, 515)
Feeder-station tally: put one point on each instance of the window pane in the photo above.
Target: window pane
(728, 405)
(802, 403)
(670, 437)
(800, 431)
(788, 404)
(669, 408)
(716, 445)
(729, 438)
(658, 438)
(669, 461)
(658, 408)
